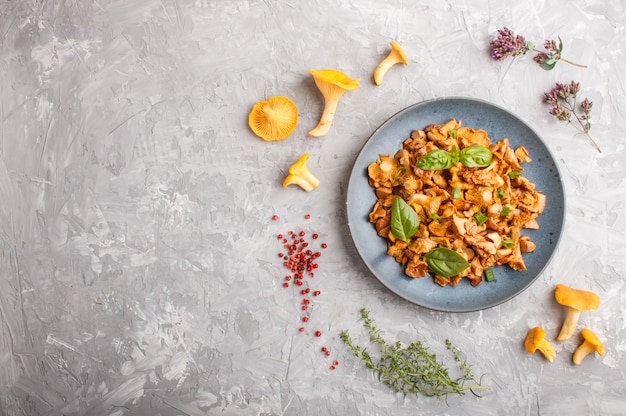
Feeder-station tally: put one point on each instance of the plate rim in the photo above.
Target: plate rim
(498, 107)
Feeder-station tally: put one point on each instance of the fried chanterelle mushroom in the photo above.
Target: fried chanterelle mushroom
(479, 212)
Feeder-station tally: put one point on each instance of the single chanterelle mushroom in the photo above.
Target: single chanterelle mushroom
(273, 119)
(576, 301)
(535, 340)
(332, 84)
(590, 344)
(396, 56)
(300, 175)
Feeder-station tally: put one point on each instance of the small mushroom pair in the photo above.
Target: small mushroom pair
(576, 301)
(333, 84)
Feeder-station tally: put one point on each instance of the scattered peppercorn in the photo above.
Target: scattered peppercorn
(299, 258)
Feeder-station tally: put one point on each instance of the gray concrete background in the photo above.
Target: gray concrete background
(138, 260)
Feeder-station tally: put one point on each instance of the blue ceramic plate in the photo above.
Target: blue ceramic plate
(498, 123)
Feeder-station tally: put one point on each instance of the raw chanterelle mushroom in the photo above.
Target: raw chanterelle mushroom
(535, 340)
(273, 119)
(576, 301)
(396, 56)
(590, 344)
(299, 174)
(332, 84)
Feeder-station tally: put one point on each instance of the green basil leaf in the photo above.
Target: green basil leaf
(515, 174)
(404, 220)
(454, 133)
(445, 262)
(475, 156)
(437, 159)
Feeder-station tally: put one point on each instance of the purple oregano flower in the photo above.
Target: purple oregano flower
(562, 99)
(508, 44)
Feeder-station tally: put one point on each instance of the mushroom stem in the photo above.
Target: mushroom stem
(581, 352)
(330, 107)
(382, 69)
(547, 350)
(569, 325)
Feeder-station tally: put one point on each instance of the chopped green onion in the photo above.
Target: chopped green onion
(515, 174)
(501, 193)
(505, 211)
(508, 243)
(400, 172)
(480, 218)
(489, 276)
(434, 216)
(454, 133)
(456, 193)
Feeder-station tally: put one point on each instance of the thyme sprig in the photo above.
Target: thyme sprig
(413, 369)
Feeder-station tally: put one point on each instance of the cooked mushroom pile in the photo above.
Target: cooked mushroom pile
(477, 210)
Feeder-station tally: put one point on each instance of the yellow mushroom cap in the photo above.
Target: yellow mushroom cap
(333, 77)
(273, 119)
(397, 51)
(581, 300)
(535, 335)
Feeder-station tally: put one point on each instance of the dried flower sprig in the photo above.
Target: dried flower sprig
(508, 44)
(548, 59)
(563, 105)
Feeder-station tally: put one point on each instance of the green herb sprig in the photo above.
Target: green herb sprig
(413, 369)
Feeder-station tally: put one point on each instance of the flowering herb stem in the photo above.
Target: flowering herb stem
(564, 105)
(413, 369)
(507, 44)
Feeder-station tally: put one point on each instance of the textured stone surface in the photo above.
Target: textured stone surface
(138, 267)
